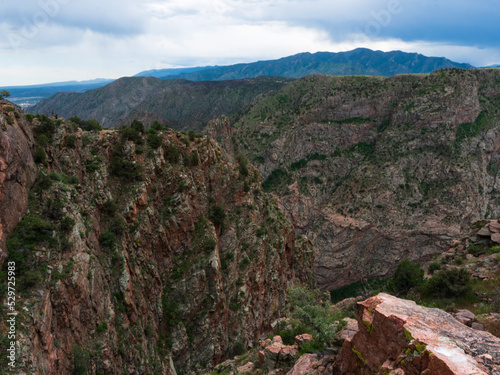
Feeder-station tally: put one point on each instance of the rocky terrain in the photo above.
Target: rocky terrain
(140, 256)
(377, 170)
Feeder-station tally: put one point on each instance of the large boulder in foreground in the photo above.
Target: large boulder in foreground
(397, 334)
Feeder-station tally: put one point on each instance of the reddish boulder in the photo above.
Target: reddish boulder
(397, 334)
(304, 365)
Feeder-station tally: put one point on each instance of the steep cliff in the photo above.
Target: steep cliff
(138, 256)
(377, 170)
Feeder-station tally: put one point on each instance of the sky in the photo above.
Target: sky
(61, 40)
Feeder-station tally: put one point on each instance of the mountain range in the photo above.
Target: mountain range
(359, 61)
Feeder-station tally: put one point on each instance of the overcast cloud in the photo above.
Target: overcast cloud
(58, 40)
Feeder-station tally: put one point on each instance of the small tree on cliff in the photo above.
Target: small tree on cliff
(4, 94)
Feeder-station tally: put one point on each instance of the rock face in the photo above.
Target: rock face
(375, 170)
(136, 259)
(17, 171)
(396, 334)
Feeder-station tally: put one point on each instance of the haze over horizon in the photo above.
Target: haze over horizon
(64, 40)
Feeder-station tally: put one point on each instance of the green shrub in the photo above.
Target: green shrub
(243, 165)
(102, 327)
(449, 283)
(408, 275)
(130, 134)
(42, 183)
(109, 208)
(118, 225)
(306, 306)
(154, 141)
(91, 165)
(172, 154)
(238, 348)
(124, 168)
(312, 346)
(217, 215)
(81, 360)
(29, 117)
(434, 266)
(288, 335)
(107, 239)
(156, 125)
(138, 125)
(66, 224)
(43, 141)
(71, 141)
(39, 156)
(195, 159)
(54, 208)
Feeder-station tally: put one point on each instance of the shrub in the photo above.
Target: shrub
(43, 141)
(39, 156)
(130, 134)
(109, 208)
(312, 346)
(288, 335)
(449, 283)
(103, 326)
(81, 360)
(195, 159)
(239, 348)
(54, 208)
(138, 125)
(307, 307)
(70, 141)
(217, 215)
(154, 140)
(107, 239)
(118, 225)
(408, 275)
(243, 165)
(124, 168)
(173, 154)
(156, 125)
(66, 224)
(434, 266)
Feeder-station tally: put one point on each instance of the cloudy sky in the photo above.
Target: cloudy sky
(59, 40)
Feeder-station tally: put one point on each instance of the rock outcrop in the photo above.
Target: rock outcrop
(398, 335)
(140, 256)
(17, 171)
(374, 170)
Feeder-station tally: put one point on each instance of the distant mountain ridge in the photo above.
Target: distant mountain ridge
(361, 61)
(166, 73)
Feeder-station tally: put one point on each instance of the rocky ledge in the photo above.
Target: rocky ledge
(400, 337)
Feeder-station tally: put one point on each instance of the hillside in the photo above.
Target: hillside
(133, 256)
(377, 170)
(180, 103)
(360, 61)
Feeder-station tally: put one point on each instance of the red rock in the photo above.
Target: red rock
(301, 339)
(494, 226)
(288, 353)
(17, 174)
(304, 364)
(477, 326)
(465, 317)
(347, 332)
(430, 341)
(495, 237)
(246, 368)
